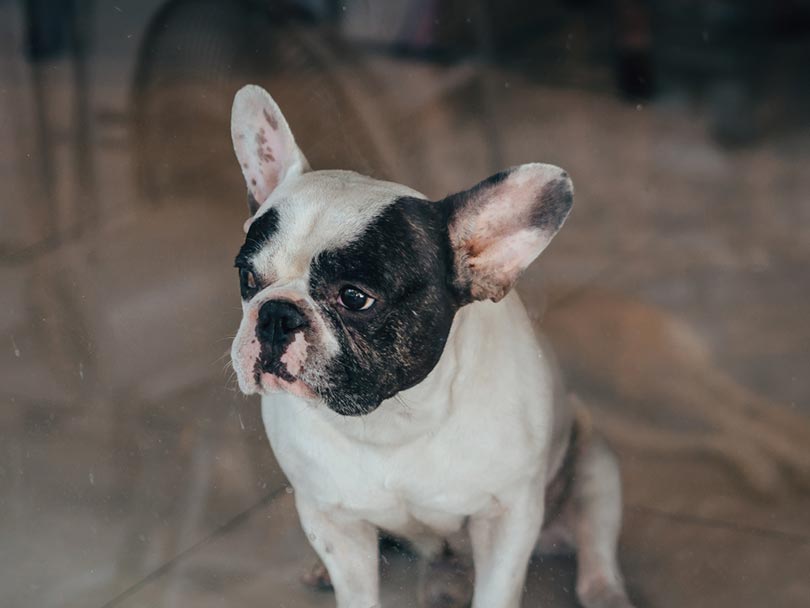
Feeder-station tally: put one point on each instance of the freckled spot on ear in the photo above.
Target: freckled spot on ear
(253, 181)
(245, 165)
(265, 155)
(271, 120)
(263, 151)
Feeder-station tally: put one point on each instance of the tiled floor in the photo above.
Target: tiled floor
(133, 474)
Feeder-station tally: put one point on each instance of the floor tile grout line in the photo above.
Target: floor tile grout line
(229, 525)
(718, 523)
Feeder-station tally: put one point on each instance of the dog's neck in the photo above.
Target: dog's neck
(423, 408)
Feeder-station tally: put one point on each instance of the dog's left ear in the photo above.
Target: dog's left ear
(498, 227)
(264, 144)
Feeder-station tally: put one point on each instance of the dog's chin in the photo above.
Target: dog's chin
(351, 407)
(270, 384)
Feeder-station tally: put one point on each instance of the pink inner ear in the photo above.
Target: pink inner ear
(260, 165)
(497, 266)
(499, 235)
(262, 141)
(501, 225)
(263, 150)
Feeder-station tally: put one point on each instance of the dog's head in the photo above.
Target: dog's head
(349, 284)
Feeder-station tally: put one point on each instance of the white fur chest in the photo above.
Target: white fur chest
(436, 480)
(441, 451)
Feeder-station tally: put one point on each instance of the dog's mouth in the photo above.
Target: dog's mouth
(271, 364)
(269, 382)
(280, 367)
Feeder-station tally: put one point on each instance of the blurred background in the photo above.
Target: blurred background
(132, 472)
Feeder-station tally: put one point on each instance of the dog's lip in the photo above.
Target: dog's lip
(273, 367)
(269, 383)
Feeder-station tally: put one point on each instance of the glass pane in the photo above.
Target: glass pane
(135, 472)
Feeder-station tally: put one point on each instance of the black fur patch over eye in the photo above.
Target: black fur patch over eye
(403, 258)
(259, 233)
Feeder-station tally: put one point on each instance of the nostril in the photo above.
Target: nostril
(292, 321)
(277, 320)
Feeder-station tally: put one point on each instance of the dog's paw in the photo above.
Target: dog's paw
(317, 578)
(446, 582)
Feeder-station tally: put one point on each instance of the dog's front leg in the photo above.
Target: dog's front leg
(502, 543)
(348, 548)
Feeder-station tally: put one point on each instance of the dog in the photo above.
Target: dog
(403, 387)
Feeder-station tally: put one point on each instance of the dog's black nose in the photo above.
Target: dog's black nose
(278, 321)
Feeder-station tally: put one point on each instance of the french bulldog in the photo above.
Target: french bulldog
(403, 386)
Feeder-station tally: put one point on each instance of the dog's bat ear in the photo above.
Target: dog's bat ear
(264, 144)
(498, 227)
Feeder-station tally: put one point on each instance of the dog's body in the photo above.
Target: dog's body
(444, 449)
(396, 396)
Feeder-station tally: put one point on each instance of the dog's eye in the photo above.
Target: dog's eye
(248, 278)
(354, 299)
(248, 282)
